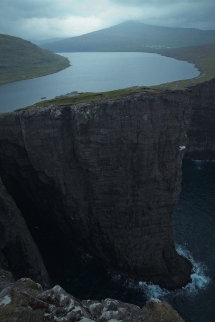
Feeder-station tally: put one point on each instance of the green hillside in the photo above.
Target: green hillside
(203, 57)
(20, 59)
(133, 36)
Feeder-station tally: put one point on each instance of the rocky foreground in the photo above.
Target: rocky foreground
(107, 174)
(25, 301)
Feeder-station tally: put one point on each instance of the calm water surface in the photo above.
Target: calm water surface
(96, 72)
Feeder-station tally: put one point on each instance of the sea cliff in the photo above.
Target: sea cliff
(201, 133)
(108, 174)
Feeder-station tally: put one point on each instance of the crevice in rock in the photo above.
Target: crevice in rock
(37, 202)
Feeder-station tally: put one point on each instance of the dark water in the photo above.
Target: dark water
(96, 72)
(194, 229)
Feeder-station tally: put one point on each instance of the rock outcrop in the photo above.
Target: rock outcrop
(24, 300)
(201, 133)
(108, 174)
(18, 251)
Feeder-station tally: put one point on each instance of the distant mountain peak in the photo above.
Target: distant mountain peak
(133, 35)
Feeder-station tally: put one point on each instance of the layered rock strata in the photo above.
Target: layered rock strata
(201, 133)
(108, 174)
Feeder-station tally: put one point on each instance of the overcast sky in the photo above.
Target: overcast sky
(43, 19)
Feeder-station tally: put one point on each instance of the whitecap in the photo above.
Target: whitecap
(149, 290)
(153, 290)
(199, 278)
(199, 281)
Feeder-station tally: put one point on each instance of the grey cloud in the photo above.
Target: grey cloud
(174, 13)
(31, 9)
(158, 3)
(19, 17)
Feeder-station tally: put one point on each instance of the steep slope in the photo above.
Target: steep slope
(18, 252)
(25, 301)
(133, 36)
(201, 133)
(108, 174)
(20, 59)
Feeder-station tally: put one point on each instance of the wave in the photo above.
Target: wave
(199, 278)
(199, 281)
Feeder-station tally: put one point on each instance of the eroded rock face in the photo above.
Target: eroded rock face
(25, 300)
(18, 251)
(108, 174)
(201, 134)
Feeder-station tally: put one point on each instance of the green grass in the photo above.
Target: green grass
(20, 59)
(203, 57)
(90, 97)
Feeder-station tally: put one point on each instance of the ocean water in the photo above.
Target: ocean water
(96, 72)
(194, 230)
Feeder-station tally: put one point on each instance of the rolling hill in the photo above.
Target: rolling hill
(133, 36)
(20, 59)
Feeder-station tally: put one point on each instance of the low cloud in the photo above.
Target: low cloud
(42, 19)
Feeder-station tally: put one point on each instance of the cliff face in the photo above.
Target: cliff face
(17, 248)
(107, 174)
(201, 134)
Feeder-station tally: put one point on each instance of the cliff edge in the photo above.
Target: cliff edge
(108, 174)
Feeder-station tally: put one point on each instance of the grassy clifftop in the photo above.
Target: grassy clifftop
(202, 56)
(20, 59)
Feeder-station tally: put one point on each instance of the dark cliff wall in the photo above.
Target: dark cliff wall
(108, 174)
(17, 248)
(201, 134)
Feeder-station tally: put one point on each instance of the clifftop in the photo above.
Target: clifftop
(108, 173)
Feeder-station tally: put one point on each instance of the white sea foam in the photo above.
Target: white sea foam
(199, 278)
(150, 290)
(153, 291)
(199, 281)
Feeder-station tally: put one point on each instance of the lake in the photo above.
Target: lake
(96, 72)
(194, 220)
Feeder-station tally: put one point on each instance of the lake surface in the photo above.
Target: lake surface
(96, 72)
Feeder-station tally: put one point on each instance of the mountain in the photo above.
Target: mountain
(133, 36)
(20, 59)
(38, 42)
